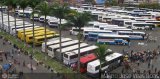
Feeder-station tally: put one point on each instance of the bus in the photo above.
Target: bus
(134, 35)
(53, 42)
(59, 55)
(111, 62)
(113, 39)
(29, 38)
(26, 28)
(157, 23)
(87, 31)
(142, 25)
(39, 39)
(20, 32)
(31, 33)
(71, 57)
(92, 36)
(13, 30)
(143, 20)
(52, 48)
(85, 60)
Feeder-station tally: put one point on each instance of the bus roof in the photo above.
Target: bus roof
(112, 35)
(64, 44)
(131, 32)
(57, 41)
(88, 58)
(72, 47)
(39, 37)
(89, 48)
(40, 33)
(96, 30)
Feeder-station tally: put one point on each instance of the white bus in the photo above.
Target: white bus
(111, 62)
(113, 39)
(52, 48)
(59, 55)
(52, 42)
(142, 25)
(41, 19)
(87, 31)
(72, 56)
(12, 29)
(134, 35)
(157, 23)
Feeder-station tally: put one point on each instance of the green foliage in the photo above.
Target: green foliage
(12, 3)
(44, 8)
(33, 3)
(149, 5)
(23, 3)
(2, 2)
(79, 19)
(60, 11)
(101, 51)
(111, 3)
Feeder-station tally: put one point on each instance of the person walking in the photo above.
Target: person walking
(5, 54)
(149, 64)
(155, 69)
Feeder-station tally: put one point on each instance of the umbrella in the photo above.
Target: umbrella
(6, 66)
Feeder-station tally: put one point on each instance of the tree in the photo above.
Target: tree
(33, 4)
(23, 4)
(2, 3)
(101, 53)
(8, 3)
(60, 11)
(45, 10)
(111, 3)
(79, 20)
(13, 4)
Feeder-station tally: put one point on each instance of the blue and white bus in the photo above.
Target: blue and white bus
(134, 35)
(87, 31)
(113, 39)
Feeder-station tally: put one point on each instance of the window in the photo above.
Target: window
(49, 48)
(65, 55)
(74, 56)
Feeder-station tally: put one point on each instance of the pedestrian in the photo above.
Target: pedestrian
(138, 62)
(24, 63)
(144, 71)
(155, 69)
(149, 71)
(149, 65)
(5, 54)
(152, 66)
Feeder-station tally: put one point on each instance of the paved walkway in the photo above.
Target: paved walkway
(39, 72)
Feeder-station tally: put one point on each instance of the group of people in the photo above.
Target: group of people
(143, 57)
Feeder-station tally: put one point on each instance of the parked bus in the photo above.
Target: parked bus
(20, 32)
(134, 35)
(31, 33)
(113, 39)
(29, 38)
(157, 23)
(71, 57)
(13, 30)
(85, 60)
(39, 39)
(59, 55)
(86, 31)
(52, 48)
(26, 28)
(111, 62)
(142, 25)
(53, 42)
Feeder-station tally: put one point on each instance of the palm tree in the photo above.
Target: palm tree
(33, 4)
(1, 3)
(14, 4)
(79, 20)
(23, 4)
(60, 11)
(45, 10)
(8, 4)
(101, 53)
